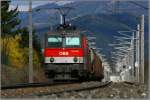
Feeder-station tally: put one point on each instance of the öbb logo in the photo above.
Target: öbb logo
(63, 53)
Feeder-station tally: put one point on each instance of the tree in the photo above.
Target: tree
(9, 20)
(17, 56)
(10, 27)
(36, 41)
(12, 51)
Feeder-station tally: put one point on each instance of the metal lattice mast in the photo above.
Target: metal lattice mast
(30, 44)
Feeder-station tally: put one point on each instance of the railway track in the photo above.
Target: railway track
(82, 88)
(52, 89)
(30, 85)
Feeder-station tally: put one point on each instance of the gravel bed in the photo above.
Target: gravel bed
(115, 90)
(30, 92)
(13, 93)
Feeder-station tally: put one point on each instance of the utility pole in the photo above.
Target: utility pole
(142, 49)
(132, 57)
(137, 53)
(30, 44)
(130, 61)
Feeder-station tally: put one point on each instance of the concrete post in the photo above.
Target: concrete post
(132, 59)
(30, 44)
(137, 53)
(142, 49)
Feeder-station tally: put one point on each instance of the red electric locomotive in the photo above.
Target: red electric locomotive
(67, 55)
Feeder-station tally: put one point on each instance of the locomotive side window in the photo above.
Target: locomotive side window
(54, 42)
(72, 42)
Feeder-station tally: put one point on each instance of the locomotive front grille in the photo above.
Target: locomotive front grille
(62, 70)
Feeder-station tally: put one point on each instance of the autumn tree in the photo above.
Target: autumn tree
(36, 41)
(9, 22)
(15, 47)
(10, 27)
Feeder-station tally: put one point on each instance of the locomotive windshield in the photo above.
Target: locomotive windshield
(58, 41)
(72, 41)
(54, 42)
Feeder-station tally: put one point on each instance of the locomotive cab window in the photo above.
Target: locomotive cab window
(54, 42)
(72, 42)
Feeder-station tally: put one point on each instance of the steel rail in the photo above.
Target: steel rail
(30, 85)
(102, 84)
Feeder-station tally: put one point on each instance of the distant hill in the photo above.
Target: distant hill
(50, 16)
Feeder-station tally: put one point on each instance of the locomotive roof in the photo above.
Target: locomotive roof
(65, 32)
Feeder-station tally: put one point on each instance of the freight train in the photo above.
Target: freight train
(67, 55)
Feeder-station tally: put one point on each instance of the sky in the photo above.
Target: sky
(23, 5)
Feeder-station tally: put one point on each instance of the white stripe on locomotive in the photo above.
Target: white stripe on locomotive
(64, 60)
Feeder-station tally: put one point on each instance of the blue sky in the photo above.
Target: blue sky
(23, 4)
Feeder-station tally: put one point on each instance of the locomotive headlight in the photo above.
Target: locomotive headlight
(51, 59)
(75, 59)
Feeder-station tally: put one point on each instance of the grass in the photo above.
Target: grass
(12, 76)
